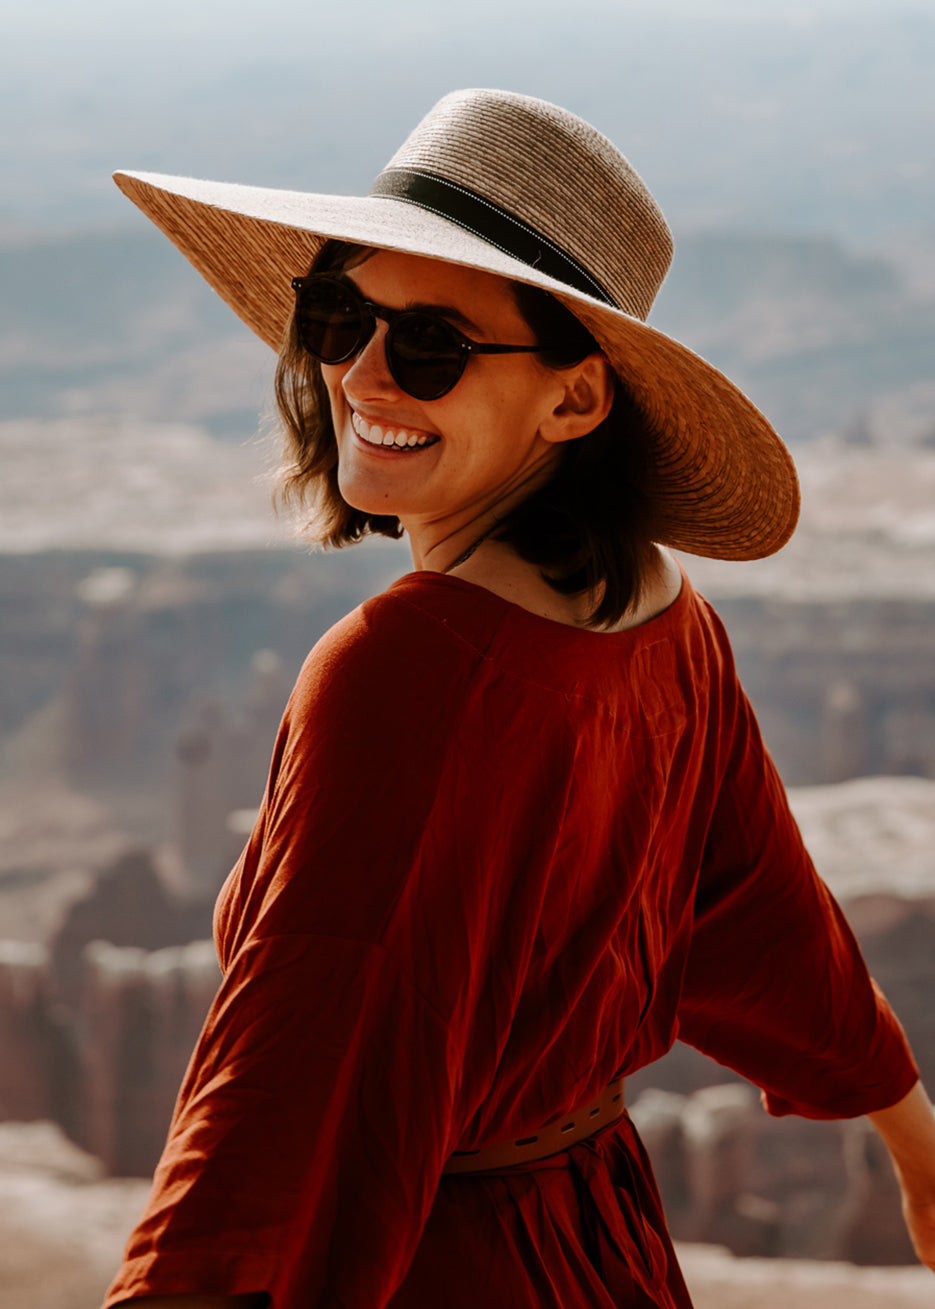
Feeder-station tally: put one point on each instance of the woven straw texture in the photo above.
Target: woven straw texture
(723, 482)
(558, 174)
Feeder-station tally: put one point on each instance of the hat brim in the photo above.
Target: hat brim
(724, 485)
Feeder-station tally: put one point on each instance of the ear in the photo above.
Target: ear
(587, 393)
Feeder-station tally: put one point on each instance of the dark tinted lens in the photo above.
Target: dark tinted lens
(329, 321)
(425, 355)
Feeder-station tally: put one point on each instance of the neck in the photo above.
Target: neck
(444, 542)
(496, 567)
(449, 552)
(463, 558)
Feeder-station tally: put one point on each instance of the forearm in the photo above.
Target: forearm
(908, 1131)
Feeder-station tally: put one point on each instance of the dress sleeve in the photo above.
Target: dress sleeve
(323, 1096)
(775, 986)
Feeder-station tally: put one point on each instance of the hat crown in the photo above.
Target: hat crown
(557, 174)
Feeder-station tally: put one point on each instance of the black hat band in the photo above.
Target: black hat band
(492, 224)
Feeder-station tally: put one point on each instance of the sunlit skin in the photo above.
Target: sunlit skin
(496, 436)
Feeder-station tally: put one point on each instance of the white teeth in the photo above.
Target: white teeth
(373, 434)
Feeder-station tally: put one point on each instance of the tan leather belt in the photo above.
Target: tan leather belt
(552, 1139)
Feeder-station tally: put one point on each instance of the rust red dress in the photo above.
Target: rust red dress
(500, 862)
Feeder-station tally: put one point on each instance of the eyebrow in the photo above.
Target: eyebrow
(424, 307)
(445, 311)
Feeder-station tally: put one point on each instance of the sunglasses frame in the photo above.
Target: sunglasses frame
(370, 312)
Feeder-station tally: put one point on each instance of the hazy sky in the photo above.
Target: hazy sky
(206, 15)
(212, 29)
(813, 114)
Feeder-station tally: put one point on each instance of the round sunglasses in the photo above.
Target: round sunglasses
(425, 354)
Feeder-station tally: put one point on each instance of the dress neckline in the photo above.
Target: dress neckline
(654, 626)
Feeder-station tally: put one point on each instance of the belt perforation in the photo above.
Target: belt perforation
(555, 1137)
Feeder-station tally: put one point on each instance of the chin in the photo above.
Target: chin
(373, 501)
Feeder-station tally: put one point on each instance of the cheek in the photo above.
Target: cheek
(333, 375)
(513, 406)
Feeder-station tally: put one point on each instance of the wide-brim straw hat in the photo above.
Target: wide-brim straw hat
(518, 187)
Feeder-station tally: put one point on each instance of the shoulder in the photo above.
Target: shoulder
(397, 655)
(434, 606)
(701, 627)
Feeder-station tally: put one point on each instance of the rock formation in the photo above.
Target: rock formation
(730, 1175)
(25, 1014)
(139, 1018)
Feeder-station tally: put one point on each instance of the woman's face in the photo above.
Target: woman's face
(483, 448)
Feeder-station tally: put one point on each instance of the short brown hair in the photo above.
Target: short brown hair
(588, 530)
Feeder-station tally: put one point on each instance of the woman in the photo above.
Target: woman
(520, 830)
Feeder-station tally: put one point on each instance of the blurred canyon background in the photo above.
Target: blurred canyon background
(154, 612)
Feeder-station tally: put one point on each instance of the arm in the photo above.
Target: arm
(908, 1131)
(775, 986)
(294, 1164)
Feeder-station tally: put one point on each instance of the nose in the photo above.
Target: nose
(368, 377)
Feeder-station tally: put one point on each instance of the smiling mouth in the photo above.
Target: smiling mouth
(397, 437)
